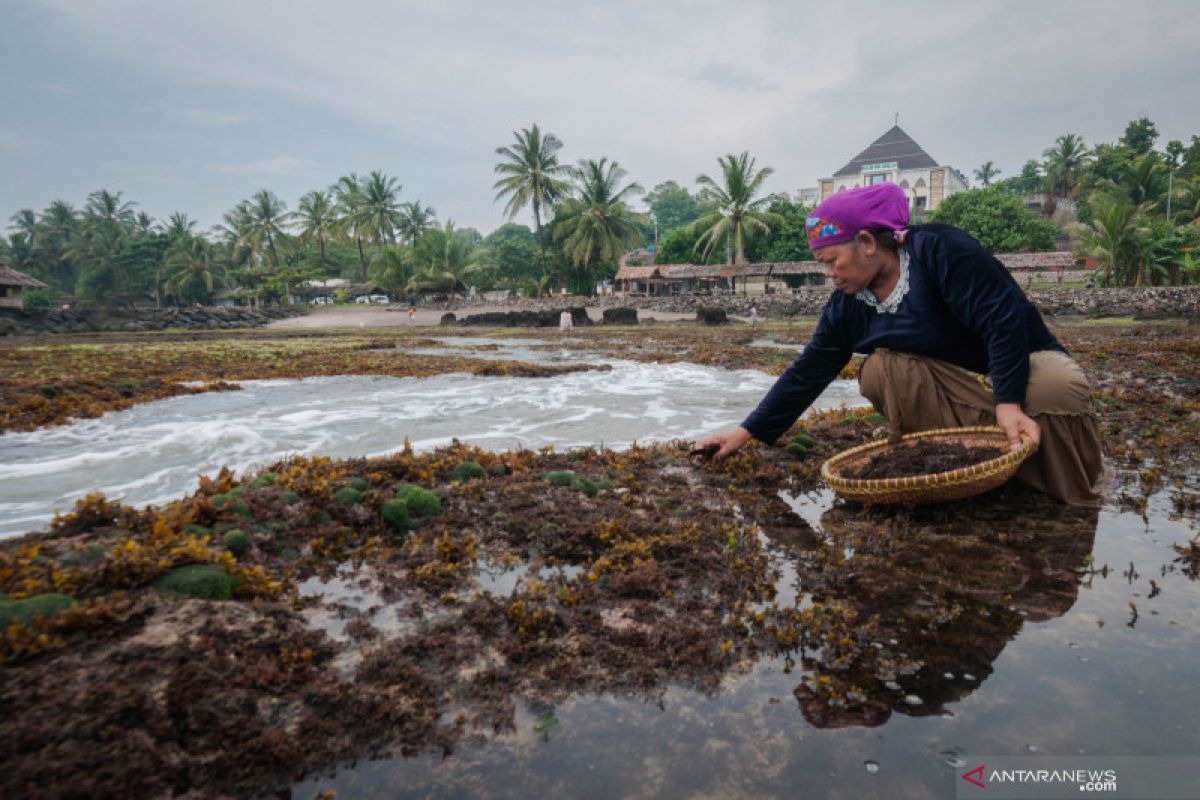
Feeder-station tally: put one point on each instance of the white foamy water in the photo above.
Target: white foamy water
(154, 452)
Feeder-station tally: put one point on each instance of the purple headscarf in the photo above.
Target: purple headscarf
(842, 216)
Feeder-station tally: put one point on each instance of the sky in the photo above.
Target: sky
(193, 106)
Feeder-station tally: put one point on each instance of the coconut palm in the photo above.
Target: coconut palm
(317, 219)
(178, 227)
(1112, 238)
(986, 172)
(351, 220)
(104, 206)
(1065, 163)
(267, 217)
(415, 219)
(379, 212)
(389, 269)
(25, 223)
(190, 265)
(737, 213)
(532, 176)
(1144, 179)
(448, 260)
(598, 225)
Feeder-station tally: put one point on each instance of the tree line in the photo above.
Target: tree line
(1131, 206)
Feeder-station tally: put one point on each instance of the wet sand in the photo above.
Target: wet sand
(396, 315)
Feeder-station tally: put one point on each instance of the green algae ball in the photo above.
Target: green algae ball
(348, 496)
(324, 518)
(89, 554)
(875, 418)
(192, 529)
(561, 477)
(236, 542)
(395, 513)
(499, 469)
(800, 445)
(203, 581)
(421, 502)
(264, 480)
(231, 502)
(289, 497)
(358, 483)
(40, 605)
(467, 470)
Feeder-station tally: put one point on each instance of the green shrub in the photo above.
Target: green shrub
(420, 502)
(358, 483)
(40, 605)
(35, 298)
(395, 513)
(203, 581)
(348, 496)
(236, 542)
(289, 497)
(467, 470)
(264, 480)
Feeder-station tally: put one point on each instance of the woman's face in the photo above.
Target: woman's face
(848, 265)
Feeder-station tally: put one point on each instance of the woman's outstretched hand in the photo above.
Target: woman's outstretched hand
(1013, 421)
(726, 441)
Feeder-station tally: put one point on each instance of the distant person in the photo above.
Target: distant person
(1091, 282)
(953, 341)
(753, 315)
(412, 312)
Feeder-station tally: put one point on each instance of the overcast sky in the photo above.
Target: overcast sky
(192, 106)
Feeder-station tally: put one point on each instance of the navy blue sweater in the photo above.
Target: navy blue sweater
(962, 307)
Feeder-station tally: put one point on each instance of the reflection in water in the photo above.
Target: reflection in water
(932, 604)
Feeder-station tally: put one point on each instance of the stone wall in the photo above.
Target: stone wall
(1144, 303)
(16, 322)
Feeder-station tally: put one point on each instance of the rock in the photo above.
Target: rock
(448, 319)
(620, 316)
(710, 315)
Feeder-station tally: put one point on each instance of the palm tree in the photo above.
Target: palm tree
(25, 223)
(1144, 180)
(188, 265)
(598, 225)
(178, 227)
(317, 219)
(104, 206)
(1064, 165)
(986, 172)
(1112, 238)
(737, 212)
(415, 219)
(267, 216)
(348, 191)
(379, 213)
(532, 176)
(390, 268)
(449, 259)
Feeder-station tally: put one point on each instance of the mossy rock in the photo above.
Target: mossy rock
(192, 529)
(202, 581)
(236, 542)
(421, 502)
(264, 480)
(395, 513)
(26, 609)
(467, 470)
(348, 496)
(358, 483)
(290, 497)
(83, 556)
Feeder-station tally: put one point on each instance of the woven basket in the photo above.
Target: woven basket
(938, 487)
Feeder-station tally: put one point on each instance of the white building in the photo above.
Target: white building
(895, 158)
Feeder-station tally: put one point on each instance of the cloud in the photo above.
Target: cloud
(279, 166)
(12, 141)
(208, 118)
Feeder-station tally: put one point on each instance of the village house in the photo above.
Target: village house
(13, 285)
